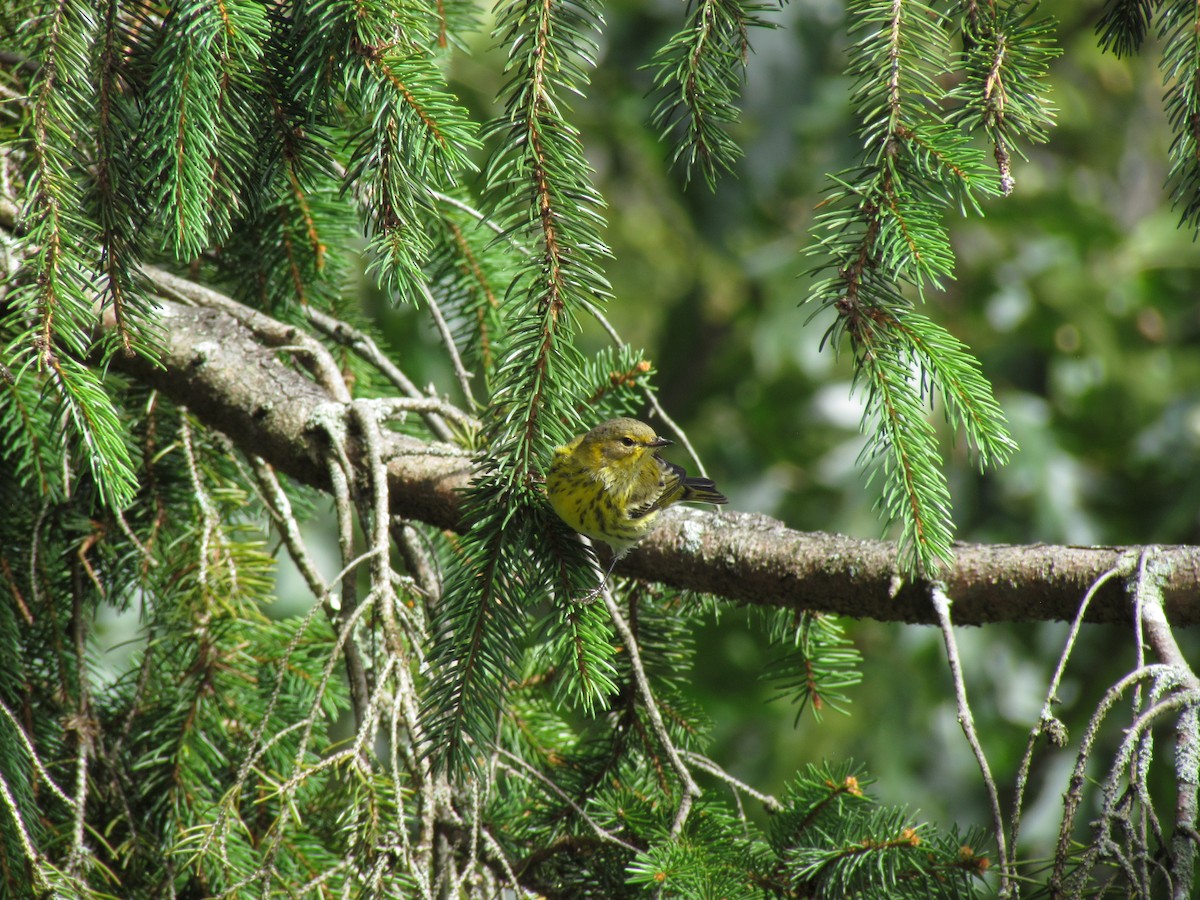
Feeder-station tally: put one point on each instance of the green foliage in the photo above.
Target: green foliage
(542, 198)
(1006, 58)
(1180, 61)
(817, 664)
(881, 237)
(698, 75)
(496, 735)
(200, 96)
(45, 326)
(1124, 25)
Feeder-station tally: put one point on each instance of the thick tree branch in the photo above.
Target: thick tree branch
(238, 370)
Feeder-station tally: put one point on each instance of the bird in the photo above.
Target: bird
(610, 485)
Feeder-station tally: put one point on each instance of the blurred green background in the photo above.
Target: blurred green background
(1079, 293)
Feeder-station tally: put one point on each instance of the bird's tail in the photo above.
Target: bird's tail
(701, 490)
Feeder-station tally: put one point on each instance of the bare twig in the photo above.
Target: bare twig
(1047, 721)
(364, 345)
(460, 371)
(23, 834)
(399, 407)
(703, 762)
(941, 604)
(518, 766)
(35, 759)
(688, 788)
(83, 724)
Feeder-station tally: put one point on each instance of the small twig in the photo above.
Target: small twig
(133, 539)
(474, 213)
(364, 345)
(703, 762)
(209, 514)
(460, 371)
(1185, 840)
(82, 724)
(497, 853)
(941, 605)
(266, 869)
(690, 790)
(515, 762)
(31, 853)
(365, 416)
(309, 888)
(419, 562)
(399, 407)
(35, 759)
(1047, 720)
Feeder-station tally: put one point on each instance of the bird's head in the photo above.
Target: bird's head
(619, 443)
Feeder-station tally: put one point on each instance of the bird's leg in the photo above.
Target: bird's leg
(595, 592)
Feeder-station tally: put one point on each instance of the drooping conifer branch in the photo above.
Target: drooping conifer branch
(882, 239)
(698, 74)
(543, 201)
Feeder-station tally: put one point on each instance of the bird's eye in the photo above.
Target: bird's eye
(627, 441)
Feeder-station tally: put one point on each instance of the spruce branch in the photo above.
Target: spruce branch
(1006, 60)
(1124, 25)
(881, 237)
(113, 189)
(698, 75)
(200, 113)
(903, 447)
(48, 312)
(1180, 65)
(538, 180)
(817, 664)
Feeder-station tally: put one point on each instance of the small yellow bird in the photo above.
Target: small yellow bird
(610, 484)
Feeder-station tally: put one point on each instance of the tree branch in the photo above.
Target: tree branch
(233, 368)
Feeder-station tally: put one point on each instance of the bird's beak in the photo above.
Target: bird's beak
(659, 442)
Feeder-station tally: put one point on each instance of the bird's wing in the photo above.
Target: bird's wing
(669, 489)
